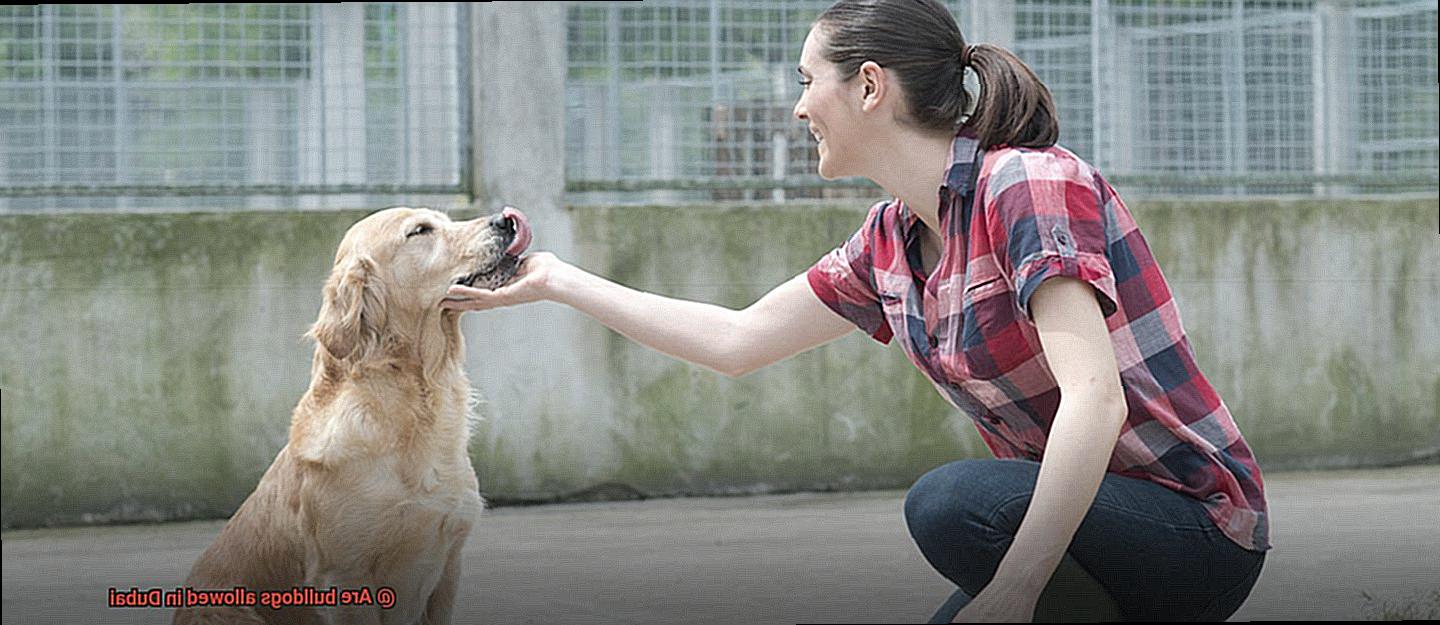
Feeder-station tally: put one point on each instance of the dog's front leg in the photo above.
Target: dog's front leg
(346, 614)
(323, 574)
(441, 604)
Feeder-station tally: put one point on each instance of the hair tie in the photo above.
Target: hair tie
(965, 54)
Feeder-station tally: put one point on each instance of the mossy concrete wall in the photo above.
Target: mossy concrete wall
(149, 363)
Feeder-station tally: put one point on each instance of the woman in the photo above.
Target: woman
(1016, 280)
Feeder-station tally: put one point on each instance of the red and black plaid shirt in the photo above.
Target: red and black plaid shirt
(1028, 215)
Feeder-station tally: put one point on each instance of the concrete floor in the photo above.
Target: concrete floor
(771, 559)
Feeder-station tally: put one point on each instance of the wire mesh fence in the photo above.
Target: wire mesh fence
(688, 100)
(164, 106)
(124, 107)
(692, 99)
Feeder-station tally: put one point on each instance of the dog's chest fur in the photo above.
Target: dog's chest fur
(388, 491)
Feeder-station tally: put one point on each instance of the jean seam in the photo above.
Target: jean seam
(1208, 527)
(990, 517)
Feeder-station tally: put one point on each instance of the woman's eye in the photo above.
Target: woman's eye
(420, 229)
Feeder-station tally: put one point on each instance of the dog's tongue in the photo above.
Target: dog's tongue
(522, 231)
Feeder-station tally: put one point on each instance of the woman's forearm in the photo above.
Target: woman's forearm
(1082, 435)
(1070, 475)
(691, 331)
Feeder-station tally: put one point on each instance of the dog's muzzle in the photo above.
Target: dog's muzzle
(513, 230)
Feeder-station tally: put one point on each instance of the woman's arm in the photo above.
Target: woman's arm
(786, 321)
(1076, 344)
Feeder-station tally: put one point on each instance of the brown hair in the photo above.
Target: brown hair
(920, 42)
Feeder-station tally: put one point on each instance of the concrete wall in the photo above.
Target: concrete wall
(149, 363)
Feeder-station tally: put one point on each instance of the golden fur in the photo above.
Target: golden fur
(374, 487)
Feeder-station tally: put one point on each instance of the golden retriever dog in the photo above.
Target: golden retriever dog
(374, 492)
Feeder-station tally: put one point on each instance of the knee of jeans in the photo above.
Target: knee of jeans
(942, 506)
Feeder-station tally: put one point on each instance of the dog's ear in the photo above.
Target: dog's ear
(352, 314)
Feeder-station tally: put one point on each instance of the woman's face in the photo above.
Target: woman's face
(831, 107)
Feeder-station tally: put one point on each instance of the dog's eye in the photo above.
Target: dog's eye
(420, 229)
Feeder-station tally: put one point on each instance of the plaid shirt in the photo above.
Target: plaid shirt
(1028, 215)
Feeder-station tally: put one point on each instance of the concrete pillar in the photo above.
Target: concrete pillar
(1334, 95)
(518, 116)
(542, 407)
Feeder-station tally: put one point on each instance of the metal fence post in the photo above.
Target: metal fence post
(1238, 132)
(614, 167)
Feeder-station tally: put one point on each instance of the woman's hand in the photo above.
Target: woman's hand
(531, 283)
(999, 602)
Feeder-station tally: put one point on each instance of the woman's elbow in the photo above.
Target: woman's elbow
(740, 359)
(1102, 400)
(1112, 402)
(739, 353)
(736, 368)
(1120, 405)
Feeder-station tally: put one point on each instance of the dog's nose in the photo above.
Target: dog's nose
(503, 224)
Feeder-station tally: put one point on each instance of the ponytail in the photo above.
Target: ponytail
(1015, 108)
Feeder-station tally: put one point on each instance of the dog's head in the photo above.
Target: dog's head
(394, 267)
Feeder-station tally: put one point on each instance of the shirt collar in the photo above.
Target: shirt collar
(963, 152)
(959, 172)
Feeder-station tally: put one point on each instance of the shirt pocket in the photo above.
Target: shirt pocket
(983, 288)
(985, 353)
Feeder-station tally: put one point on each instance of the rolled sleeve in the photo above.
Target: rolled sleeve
(844, 280)
(1053, 225)
(1088, 268)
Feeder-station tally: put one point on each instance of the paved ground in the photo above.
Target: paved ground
(774, 559)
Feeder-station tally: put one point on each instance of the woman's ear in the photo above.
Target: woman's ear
(352, 313)
(872, 78)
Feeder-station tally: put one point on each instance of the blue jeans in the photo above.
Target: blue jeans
(1142, 553)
